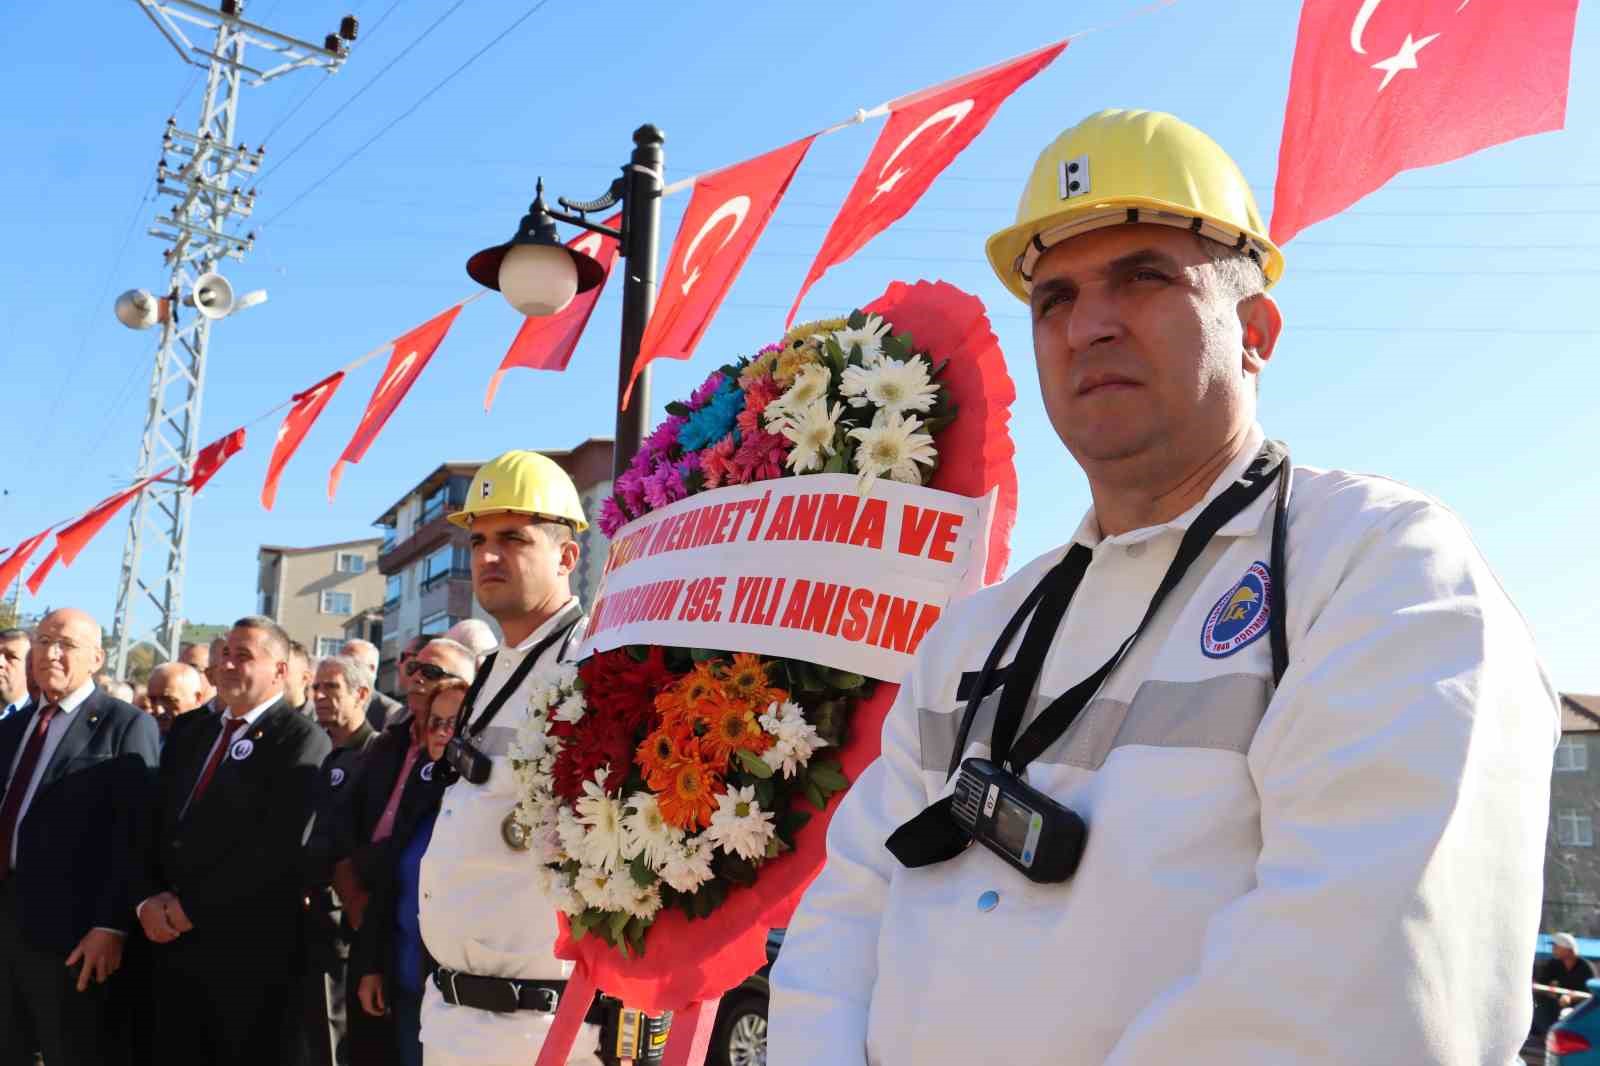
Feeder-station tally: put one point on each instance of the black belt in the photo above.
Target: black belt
(503, 995)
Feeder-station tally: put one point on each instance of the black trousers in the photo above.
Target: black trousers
(41, 1009)
(221, 1002)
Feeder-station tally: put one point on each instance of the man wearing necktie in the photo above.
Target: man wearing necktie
(13, 672)
(77, 768)
(223, 900)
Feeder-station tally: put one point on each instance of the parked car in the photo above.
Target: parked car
(740, 1035)
(1575, 1039)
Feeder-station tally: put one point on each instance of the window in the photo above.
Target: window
(435, 504)
(265, 607)
(327, 646)
(392, 588)
(448, 560)
(1572, 755)
(336, 602)
(351, 563)
(390, 536)
(1574, 829)
(437, 623)
(1579, 896)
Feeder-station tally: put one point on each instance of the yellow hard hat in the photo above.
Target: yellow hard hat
(1122, 166)
(523, 483)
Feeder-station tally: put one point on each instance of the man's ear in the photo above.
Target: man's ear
(1260, 325)
(569, 556)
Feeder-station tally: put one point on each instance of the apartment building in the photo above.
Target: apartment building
(425, 561)
(313, 592)
(1571, 859)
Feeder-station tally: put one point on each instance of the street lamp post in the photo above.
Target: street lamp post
(539, 275)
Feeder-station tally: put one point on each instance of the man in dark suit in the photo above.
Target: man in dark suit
(14, 644)
(77, 766)
(223, 902)
(381, 710)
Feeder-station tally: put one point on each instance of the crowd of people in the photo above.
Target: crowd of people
(230, 863)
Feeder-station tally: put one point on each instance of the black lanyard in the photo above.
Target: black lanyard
(1049, 600)
(566, 621)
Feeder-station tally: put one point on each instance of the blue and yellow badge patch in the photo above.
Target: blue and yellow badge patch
(1240, 616)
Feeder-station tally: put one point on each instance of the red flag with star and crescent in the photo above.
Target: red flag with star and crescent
(13, 563)
(546, 342)
(406, 363)
(74, 536)
(1381, 86)
(925, 132)
(726, 216)
(297, 423)
(212, 456)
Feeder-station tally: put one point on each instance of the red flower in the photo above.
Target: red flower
(599, 740)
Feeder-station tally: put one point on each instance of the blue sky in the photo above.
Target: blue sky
(1443, 331)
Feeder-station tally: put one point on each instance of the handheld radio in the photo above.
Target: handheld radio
(1026, 828)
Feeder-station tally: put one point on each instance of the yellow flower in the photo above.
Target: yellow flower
(791, 362)
(805, 330)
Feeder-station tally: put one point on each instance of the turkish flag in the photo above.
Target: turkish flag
(546, 342)
(70, 541)
(1381, 86)
(212, 456)
(296, 424)
(406, 362)
(721, 225)
(925, 132)
(12, 565)
(72, 538)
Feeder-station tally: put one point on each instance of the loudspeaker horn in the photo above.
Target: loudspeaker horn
(212, 296)
(138, 309)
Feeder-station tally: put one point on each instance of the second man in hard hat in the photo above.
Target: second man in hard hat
(1254, 769)
(487, 928)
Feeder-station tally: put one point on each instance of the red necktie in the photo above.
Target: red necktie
(12, 808)
(230, 726)
(385, 825)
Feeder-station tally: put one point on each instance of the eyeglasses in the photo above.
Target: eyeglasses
(430, 672)
(441, 723)
(65, 647)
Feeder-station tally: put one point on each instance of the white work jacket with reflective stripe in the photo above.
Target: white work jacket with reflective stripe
(1344, 870)
(480, 907)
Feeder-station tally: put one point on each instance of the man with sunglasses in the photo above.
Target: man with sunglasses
(484, 920)
(375, 799)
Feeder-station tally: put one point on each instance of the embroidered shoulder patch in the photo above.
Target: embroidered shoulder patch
(1240, 617)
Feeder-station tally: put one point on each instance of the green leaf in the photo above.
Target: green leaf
(857, 319)
(705, 655)
(767, 793)
(677, 408)
(616, 922)
(828, 776)
(579, 932)
(640, 870)
(792, 821)
(845, 680)
(754, 764)
(775, 847)
(637, 652)
(814, 794)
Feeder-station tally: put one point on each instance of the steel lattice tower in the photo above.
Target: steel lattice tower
(200, 170)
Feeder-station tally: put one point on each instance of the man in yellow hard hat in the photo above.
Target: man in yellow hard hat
(1254, 769)
(488, 929)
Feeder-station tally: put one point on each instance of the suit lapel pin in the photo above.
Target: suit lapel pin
(241, 750)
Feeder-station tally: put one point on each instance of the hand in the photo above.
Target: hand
(175, 914)
(371, 992)
(152, 914)
(100, 951)
(1566, 1001)
(352, 896)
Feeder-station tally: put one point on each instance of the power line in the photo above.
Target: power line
(366, 39)
(370, 141)
(361, 91)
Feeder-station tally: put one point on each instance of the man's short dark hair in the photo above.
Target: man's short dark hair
(297, 650)
(277, 639)
(1239, 269)
(8, 635)
(558, 532)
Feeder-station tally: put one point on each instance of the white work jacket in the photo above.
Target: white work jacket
(480, 907)
(1342, 870)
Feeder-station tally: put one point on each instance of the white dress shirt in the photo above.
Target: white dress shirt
(52, 740)
(249, 717)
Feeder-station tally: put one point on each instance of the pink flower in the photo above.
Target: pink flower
(611, 517)
(702, 396)
(716, 462)
(760, 457)
(630, 489)
(664, 486)
(661, 439)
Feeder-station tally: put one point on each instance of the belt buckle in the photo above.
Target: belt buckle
(455, 997)
(553, 997)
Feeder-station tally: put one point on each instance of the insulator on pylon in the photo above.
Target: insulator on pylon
(348, 27)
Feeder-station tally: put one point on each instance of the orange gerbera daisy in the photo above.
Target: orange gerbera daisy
(734, 727)
(747, 677)
(656, 756)
(689, 796)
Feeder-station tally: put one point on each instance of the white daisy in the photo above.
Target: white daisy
(689, 865)
(645, 832)
(869, 337)
(563, 892)
(891, 447)
(642, 901)
(739, 826)
(810, 385)
(890, 385)
(811, 429)
(571, 709)
(605, 891)
(796, 738)
(601, 818)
